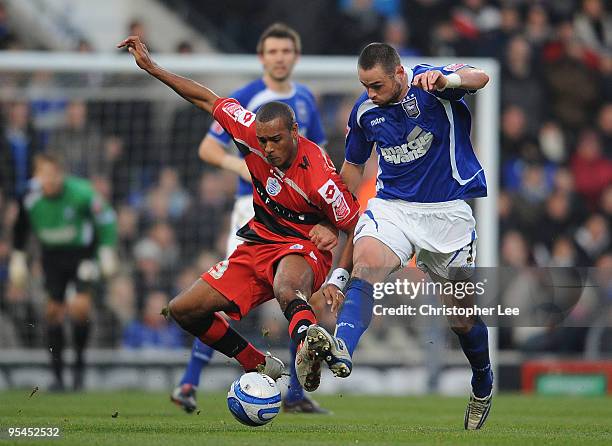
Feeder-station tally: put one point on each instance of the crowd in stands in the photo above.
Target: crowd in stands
(555, 201)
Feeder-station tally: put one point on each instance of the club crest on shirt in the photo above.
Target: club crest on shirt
(273, 186)
(411, 107)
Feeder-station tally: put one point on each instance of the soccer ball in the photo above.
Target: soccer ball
(254, 399)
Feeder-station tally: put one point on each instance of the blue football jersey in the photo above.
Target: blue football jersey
(423, 144)
(254, 95)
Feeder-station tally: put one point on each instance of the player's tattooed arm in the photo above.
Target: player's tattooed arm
(190, 90)
(467, 78)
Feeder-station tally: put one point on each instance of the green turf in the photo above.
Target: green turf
(149, 419)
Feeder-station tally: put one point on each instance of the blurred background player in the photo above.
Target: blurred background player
(71, 222)
(278, 50)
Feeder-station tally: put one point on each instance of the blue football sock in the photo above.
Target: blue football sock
(295, 391)
(356, 312)
(200, 357)
(475, 345)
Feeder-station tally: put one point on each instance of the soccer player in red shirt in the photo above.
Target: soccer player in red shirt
(295, 187)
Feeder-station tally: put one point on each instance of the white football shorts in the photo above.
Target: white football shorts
(241, 214)
(441, 235)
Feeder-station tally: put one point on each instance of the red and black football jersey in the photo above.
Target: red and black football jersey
(287, 204)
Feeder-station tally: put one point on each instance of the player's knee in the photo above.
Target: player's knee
(461, 325)
(174, 310)
(189, 315)
(364, 270)
(285, 293)
(80, 307)
(54, 313)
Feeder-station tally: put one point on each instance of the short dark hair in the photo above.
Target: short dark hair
(49, 157)
(379, 54)
(273, 110)
(280, 31)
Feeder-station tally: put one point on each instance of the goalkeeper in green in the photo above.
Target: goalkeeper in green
(74, 225)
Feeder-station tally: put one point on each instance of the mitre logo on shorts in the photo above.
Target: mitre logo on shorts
(417, 145)
(296, 246)
(218, 270)
(238, 113)
(273, 186)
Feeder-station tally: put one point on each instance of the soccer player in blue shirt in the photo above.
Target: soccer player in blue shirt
(278, 50)
(420, 125)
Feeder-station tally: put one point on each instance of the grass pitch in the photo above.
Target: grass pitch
(137, 418)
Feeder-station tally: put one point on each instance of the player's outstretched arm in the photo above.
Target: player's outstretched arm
(195, 93)
(467, 78)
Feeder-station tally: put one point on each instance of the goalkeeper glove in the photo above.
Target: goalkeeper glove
(18, 269)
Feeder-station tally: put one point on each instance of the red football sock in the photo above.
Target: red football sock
(228, 341)
(250, 358)
(300, 317)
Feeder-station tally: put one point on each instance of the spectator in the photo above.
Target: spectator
(567, 65)
(127, 227)
(7, 38)
(149, 275)
(359, 24)
(537, 29)
(563, 253)
(593, 237)
(153, 330)
(521, 86)
(552, 142)
(206, 218)
(184, 47)
(397, 34)
(514, 250)
(79, 143)
(163, 235)
(445, 41)
(18, 144)
(178, 198)
(529, 198)
(558, 221)
(494, 43)
(137, 28)
(473, 19)
(606, 202)
(592, 171)
(594, 26)
(121, 298)
(604, 126)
